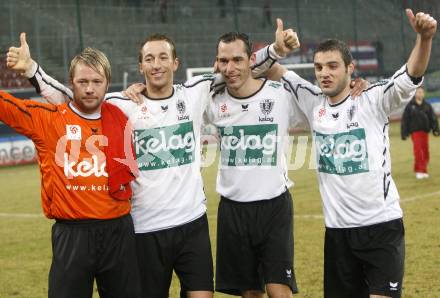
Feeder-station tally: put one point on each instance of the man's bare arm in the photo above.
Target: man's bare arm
(425, 26)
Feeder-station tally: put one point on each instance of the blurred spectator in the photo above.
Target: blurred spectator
(267, 13)
(135, 3)
(237, 4)
(379, 54)
(418, 120)
(222, 7)
(186, 9)
(163, 10)
(10, 79)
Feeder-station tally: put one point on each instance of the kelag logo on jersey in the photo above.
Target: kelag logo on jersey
(343, 153)
(249, 145)
(74, 161)
(164, 147)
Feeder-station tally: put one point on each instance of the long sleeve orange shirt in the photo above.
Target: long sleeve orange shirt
(74, 181)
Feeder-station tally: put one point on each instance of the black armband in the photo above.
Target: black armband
(415, 80)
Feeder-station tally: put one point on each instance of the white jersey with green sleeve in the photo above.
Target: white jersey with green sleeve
(352, 148)
(253, 133)
(169, 189)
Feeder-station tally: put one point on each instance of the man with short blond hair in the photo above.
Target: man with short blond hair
(94, 59)
(93, 235)
(169, 204)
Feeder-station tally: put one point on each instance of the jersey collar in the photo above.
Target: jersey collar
(94, 116)
(337, 104)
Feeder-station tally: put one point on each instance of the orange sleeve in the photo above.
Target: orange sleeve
(22, 116)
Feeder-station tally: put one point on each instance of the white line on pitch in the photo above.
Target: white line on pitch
(415, 198)
(22, 215)
(309, 216)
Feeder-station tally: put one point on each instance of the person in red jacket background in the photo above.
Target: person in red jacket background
(418, 120)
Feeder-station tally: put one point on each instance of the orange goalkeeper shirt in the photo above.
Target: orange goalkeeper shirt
(71, 158)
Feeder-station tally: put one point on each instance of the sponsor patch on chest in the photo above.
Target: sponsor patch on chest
(343, 153)
(73, 132)
(249, 145)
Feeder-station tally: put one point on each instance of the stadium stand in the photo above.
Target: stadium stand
(117, 27)
(10, 79)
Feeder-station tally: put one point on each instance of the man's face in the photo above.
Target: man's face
(332, 74)
(158, 65)
(89, 88)
(234, 63)
(420, 95)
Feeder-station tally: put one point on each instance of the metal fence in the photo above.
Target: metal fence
(57, 29)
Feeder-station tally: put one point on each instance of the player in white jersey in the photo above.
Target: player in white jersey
(162, 126)
(168, 204)
(255, 216)
(364, 241)
(254, 219)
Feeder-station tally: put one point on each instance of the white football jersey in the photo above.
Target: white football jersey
(352, 148)
(253, 133)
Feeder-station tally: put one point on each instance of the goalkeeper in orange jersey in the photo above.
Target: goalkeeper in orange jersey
(93, 234)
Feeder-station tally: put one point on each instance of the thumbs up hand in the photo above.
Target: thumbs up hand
(422, 23)
(19, 59)
(285, 40)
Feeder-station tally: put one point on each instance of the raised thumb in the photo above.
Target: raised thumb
(23, 39)
(279, 25)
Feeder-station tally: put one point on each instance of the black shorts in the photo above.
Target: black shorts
(255, 245)
(87, 249)
(186, 249)
(364, 261)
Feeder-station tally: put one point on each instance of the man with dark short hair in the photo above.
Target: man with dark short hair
(255, 216)
(364, 240)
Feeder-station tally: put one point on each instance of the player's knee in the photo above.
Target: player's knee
(252, 294)
(278, 291)
(199, 294)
